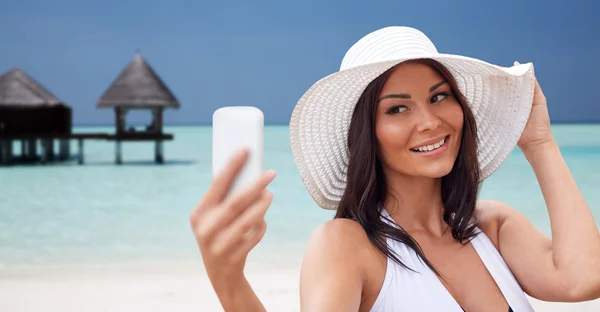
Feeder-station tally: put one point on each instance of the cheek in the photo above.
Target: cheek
(392, 135)
(453, 115)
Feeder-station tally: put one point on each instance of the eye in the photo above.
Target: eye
(396, 109)
(438, 97)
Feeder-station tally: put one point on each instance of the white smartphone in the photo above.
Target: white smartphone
(236, 127)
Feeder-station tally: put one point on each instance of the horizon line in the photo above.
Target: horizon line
(281, 124)
(164, 125)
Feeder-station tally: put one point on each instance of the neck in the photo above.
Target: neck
(415, 204)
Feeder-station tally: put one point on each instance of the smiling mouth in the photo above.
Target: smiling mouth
(431, 147)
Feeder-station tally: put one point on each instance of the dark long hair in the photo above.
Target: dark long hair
(366, 187)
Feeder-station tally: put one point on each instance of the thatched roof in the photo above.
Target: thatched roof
(19, 89)
(138, 86)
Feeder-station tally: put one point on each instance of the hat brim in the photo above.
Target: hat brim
(499, 97)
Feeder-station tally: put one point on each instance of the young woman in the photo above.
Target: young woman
(398, 142)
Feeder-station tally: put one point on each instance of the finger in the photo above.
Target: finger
(213, 220)
(234, 234)
(207, 226)
(250, 241)
(539, 93)
(239, 202)
(223, 180)
(231, 236)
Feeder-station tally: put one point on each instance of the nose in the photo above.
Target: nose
(427, 119)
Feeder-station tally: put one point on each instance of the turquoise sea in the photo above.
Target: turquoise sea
(98, 213)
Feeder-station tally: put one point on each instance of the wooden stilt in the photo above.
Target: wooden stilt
(32, 148)
(47, 150)
(23, 149)
(6, 152)
(118, 156)
(80, 151)
(50, 149)
(44, 152)
(3, 153)
(9, 154)
(64, 149)
(158, 152)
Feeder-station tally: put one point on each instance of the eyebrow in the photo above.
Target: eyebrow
(407, 96)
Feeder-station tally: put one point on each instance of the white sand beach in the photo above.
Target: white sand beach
(128, 289)
(176, 288)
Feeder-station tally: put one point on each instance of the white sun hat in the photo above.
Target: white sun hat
(499, 97)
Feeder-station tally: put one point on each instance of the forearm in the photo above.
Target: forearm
(575, 237)
(239, 297)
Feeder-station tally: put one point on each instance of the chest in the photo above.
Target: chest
(463, 275)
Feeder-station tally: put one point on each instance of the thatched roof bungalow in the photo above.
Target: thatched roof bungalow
(138, 87)
(26, 107)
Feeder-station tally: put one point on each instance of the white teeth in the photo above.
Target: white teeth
(428, 148)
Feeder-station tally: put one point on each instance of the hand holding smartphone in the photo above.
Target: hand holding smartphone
(230, 221)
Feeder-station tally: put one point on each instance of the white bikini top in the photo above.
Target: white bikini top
(405, 290)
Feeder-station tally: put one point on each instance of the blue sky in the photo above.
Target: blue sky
(267, 53)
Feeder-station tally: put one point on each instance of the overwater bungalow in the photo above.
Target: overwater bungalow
(32, 115)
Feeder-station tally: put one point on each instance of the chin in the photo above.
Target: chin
(435, 170)
(434, 166)
(436, 174)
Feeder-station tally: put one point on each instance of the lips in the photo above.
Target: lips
(430, 147)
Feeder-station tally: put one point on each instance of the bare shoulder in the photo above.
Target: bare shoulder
(491, 214)
(338, 239)
(490, 210)
(339, 228)
(333, 270)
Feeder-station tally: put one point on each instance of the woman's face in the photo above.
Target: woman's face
(418, 123)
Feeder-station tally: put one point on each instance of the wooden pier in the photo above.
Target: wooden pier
(33, 116)
(47, 142)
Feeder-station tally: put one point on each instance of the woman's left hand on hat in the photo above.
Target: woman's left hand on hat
(537, 130)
